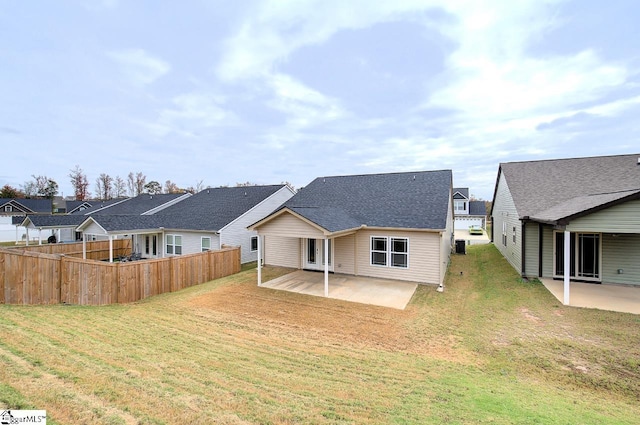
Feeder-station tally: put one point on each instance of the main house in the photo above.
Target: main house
(575, 219)
(394, 226)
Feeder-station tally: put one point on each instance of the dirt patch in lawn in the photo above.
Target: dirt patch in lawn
(333, 321)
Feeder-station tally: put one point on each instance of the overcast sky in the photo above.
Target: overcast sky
(273, 91)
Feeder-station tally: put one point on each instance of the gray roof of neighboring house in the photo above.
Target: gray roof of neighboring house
(34, 205)
(124, 223)
(214, 208)
(477, 208)
(416, 200)
(56, 220)
(464, 191)
(554, 189)
(138, 205)
(97, 205)
(70, 206)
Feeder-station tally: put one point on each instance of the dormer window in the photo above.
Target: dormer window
(8, 208)
(459, 206)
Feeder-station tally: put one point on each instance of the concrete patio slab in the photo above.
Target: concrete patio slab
(365, 290)
(622, 298)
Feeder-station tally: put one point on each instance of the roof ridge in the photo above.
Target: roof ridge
(571, 159)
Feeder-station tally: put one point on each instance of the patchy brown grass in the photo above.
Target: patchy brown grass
(489, 349)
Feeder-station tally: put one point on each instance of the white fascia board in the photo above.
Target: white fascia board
(285, 187)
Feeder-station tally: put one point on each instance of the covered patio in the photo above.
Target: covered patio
(621, 298)
(360, 289)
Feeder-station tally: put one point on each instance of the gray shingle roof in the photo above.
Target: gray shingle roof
(464, 191)
(35, 205)
(477, 208)
(138, 205)
(97, 205)
(553, 188)
(57, 220)
(416, 200)
(214, 208)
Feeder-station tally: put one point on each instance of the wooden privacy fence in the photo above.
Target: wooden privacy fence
(39, 278)
(96, 250)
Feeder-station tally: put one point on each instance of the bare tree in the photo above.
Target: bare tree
(135, 183)
(104, 187)
(29, 188)
(171, 187)
(41, 186)
(247, 183)
(79, 183)
(197, 188)
(119, 187)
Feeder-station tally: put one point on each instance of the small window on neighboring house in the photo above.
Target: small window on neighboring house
(205, 243)
(254, 243)
(504, 233)
(174, 244)
(459, 206)
(514, 234)
(8, 208)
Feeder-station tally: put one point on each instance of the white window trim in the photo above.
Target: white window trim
(202, 248)
(251, 243)
(173, 245)
(8, 208)
(389, 251)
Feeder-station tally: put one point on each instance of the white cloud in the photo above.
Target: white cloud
(140, 67)
(190, 113)
(303, 106)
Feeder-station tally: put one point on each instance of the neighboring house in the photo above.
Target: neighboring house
(467, 213)
(394, 226)
(12, 208)
(207, 220)
(64, 226)
(579, 214)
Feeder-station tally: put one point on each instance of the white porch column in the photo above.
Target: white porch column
(111, 248)
(326, 267)
(567, 265)
(39, 236)
(259, 260)
(84, 246)
(27, 236)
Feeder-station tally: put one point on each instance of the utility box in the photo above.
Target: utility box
(461, 245)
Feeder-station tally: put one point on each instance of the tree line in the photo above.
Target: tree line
(105, 187)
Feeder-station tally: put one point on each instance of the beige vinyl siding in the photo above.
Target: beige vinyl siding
(288, 225)
(424, 256)
(344, 254)
(91, 229)
(531, 249)
(504, 211)
(621, 252)
(623, 218)
(282, 251)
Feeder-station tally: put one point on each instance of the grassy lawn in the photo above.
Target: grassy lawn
(490, 349)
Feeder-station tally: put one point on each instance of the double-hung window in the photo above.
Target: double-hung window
(205, 243)
(390, 251)
(174, 244)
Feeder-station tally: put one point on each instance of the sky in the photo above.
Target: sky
(267, 92)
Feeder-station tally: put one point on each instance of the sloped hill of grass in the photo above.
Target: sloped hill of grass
(490, 349)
